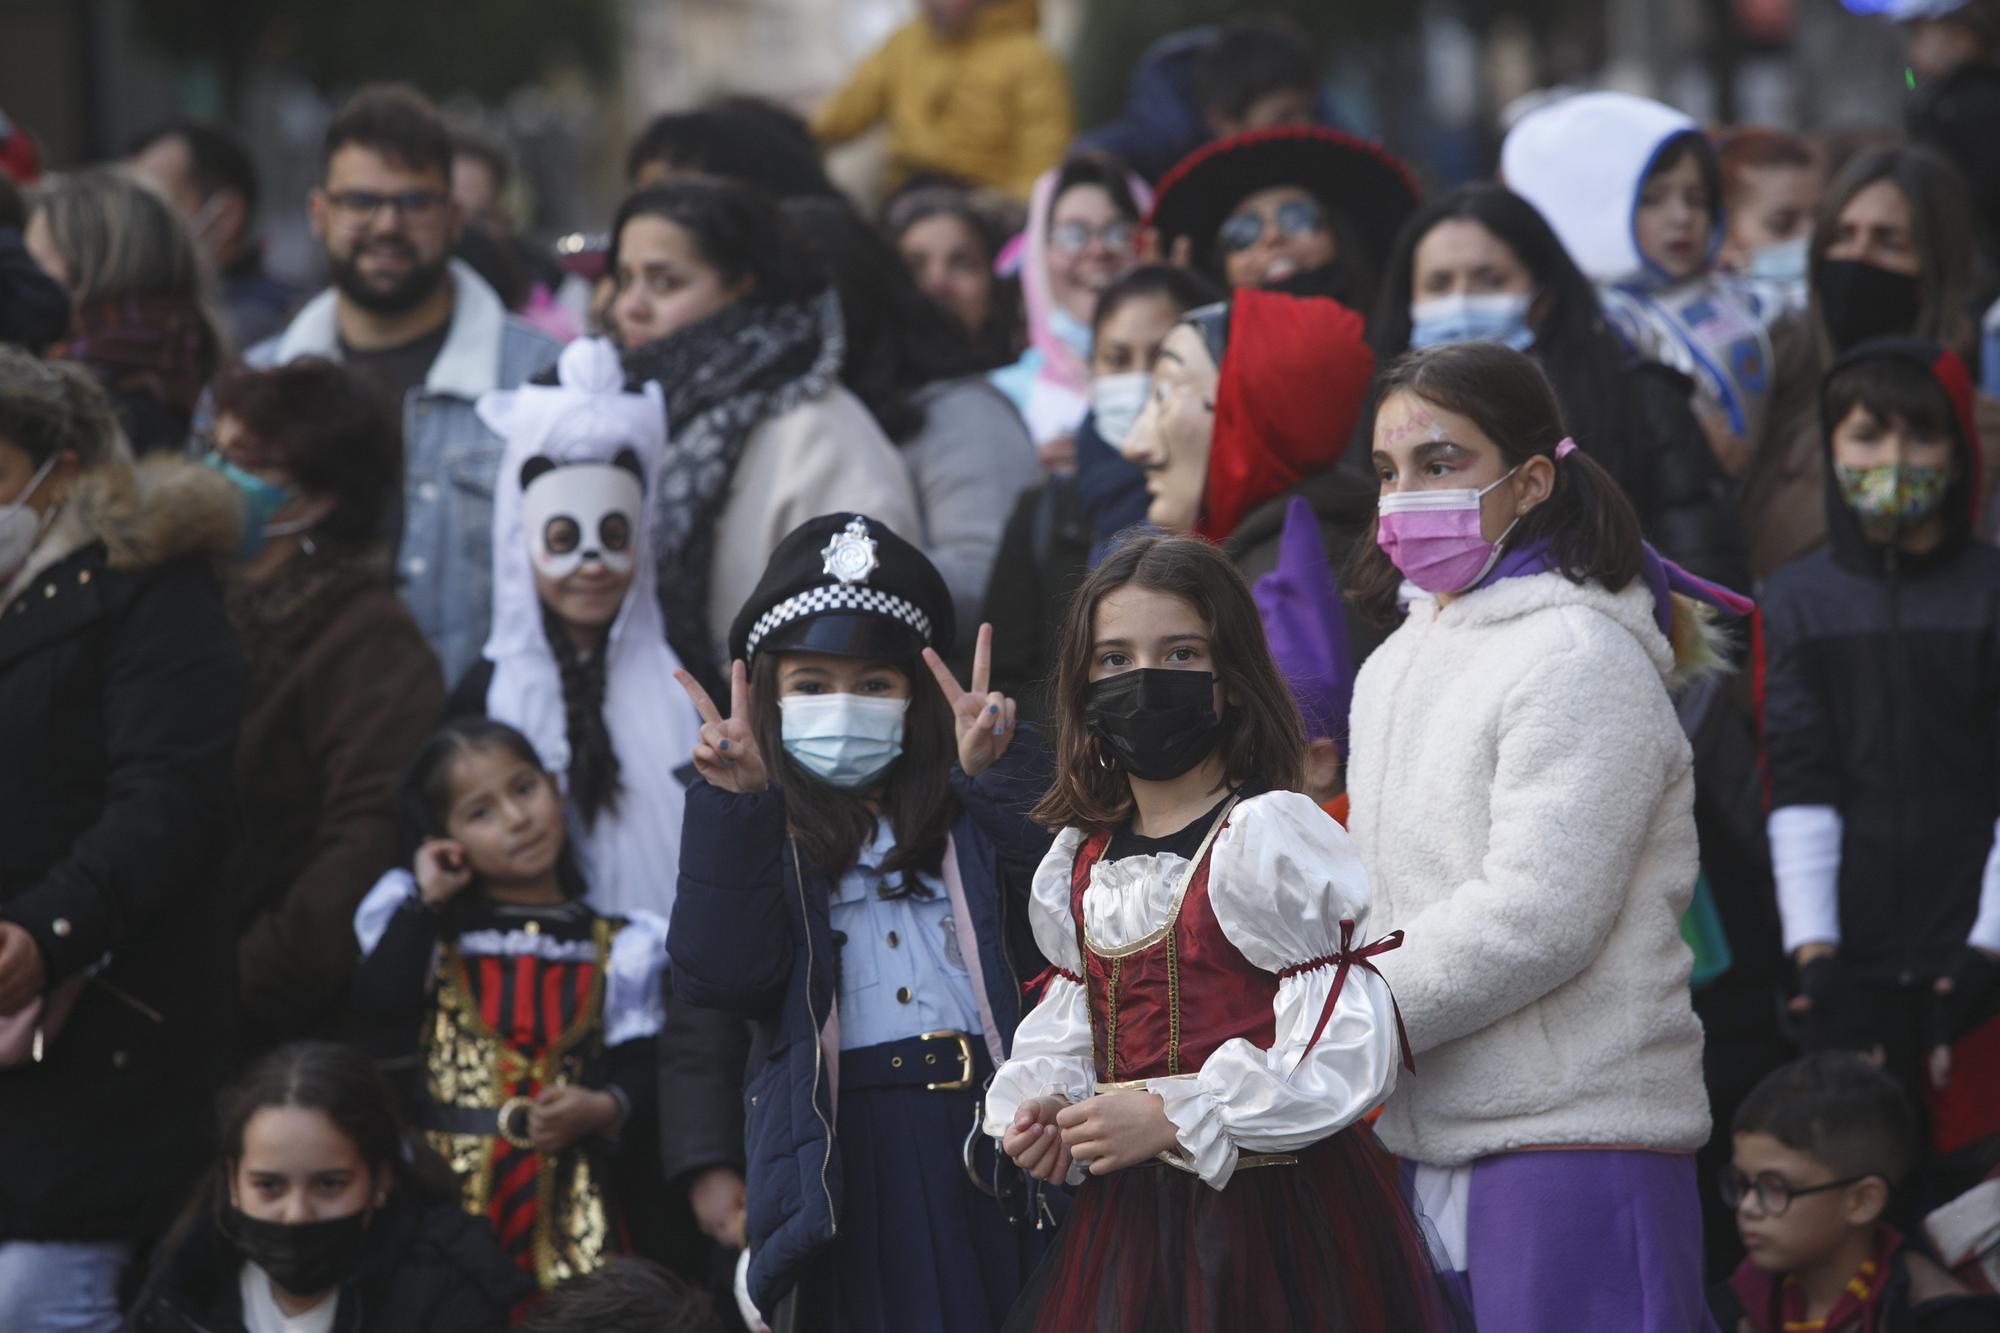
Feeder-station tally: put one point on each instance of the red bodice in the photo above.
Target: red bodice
(1163, 1004)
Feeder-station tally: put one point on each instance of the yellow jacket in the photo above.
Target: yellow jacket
(990, 107)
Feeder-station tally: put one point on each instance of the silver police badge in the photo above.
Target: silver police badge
(850, 556)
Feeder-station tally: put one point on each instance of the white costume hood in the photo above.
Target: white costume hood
(1580, 162)
(587, 420)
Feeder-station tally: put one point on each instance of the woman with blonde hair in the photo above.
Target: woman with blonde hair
(141, 319)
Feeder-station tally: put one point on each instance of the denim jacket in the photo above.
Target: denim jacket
(450, 459)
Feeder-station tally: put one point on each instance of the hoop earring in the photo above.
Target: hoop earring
(1104, 760)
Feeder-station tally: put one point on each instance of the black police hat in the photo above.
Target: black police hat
(844, 584)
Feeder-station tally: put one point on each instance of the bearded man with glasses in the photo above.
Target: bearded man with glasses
(430, 333)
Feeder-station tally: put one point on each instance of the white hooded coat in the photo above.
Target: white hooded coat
(631, 858)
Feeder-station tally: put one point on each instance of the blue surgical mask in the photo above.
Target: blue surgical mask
(1500, 317)
(1115, 403)
(261, 499)
(1073, 331)
(844, 740)
(1784, 262)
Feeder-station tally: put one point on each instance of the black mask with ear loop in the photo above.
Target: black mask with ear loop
(305, 1258)
(1154, 722)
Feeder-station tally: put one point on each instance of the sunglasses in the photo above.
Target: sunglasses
(1295, 217)
(1073, 238)
(1774, 1193)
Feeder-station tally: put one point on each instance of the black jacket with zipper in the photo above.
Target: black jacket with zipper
(1879, 672)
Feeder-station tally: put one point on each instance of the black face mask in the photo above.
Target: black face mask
(305, 1258)
(1860, 301)
(1155, 723)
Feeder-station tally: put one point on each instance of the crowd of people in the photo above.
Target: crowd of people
(1163, 731)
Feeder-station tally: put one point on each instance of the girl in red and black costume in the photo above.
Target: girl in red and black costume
(1214, 1029)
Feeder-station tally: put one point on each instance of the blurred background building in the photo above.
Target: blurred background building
(566, 85)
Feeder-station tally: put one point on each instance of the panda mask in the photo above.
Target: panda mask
(582, 512)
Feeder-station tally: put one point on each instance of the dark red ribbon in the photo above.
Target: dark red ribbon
(1035, 985)
(1346, 959)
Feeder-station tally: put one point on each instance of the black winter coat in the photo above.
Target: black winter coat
(1880, 677)
(428, 1268)
(120, 690)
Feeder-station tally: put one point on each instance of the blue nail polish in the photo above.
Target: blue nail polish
(725, 745)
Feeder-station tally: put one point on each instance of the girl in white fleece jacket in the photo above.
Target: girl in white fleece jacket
(1523, 802)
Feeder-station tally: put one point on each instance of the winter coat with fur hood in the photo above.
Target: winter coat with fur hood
(1523, 798)
(120, 691)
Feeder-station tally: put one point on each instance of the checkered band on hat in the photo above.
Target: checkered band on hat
(836, 597)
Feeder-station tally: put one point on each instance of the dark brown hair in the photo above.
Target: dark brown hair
(343, 1085)
(1838, 1109)
(1591, 529)
(330, 429)
(1263, 738)
(426, 796)
(1892, 388)
(830, 825)
(395, 120)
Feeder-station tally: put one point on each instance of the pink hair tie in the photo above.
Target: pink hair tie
(1566, 448)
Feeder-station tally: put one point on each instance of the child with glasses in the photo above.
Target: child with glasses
(1820, 1147)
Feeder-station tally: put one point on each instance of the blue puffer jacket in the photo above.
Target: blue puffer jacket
(749, 935)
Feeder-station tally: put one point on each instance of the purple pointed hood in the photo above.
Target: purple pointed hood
(1299, 603)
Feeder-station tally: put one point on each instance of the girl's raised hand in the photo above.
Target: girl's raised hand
(442, 871)
(984, 719)
(726, 756)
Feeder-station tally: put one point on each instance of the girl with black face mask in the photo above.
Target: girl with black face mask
(322, 1215)
(1213, 1005)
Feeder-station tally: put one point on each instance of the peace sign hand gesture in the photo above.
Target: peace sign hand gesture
(985, 720)
(726, 756)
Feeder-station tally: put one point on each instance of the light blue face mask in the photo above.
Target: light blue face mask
(261, 499)
(844, 740)
(1784, 262)
(1500, 317)
(1073, 331)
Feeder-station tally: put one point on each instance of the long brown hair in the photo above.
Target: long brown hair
(1590, 526)
(1941, 236)
(830, 825)
(1263, 739)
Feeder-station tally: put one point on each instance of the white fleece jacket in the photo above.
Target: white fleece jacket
(1523, 799)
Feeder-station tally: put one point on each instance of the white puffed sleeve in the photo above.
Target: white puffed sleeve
(634, 1003)
(1051, 1051)
(1282, 877)
(371, 919)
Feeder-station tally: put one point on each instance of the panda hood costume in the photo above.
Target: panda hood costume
(583, 455)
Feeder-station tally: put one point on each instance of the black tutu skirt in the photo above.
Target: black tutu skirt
(1331, 1244)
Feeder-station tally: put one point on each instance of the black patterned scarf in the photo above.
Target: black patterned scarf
(721, 377)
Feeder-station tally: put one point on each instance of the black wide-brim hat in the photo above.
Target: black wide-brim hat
(1358, 179)
(845, 585)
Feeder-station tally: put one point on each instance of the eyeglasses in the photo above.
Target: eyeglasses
(1774, 1193)
(1294, 217)
(356, 207)
(1073, 238)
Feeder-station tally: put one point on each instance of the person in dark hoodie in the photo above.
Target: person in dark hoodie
(1208, 83)
(34, 308)
(320, 1196)
(1882, 733)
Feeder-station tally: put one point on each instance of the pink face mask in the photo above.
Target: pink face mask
(1433, 537)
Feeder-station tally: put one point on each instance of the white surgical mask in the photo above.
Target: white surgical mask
(1116, 401)
(844, 740)
(21, 527)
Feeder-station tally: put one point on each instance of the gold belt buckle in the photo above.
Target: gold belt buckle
(505, 1118)
(964, 1079)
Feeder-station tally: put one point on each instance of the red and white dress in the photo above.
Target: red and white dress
(1228, 976)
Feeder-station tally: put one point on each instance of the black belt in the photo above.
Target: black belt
(507, 1121)
(936, 1062)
